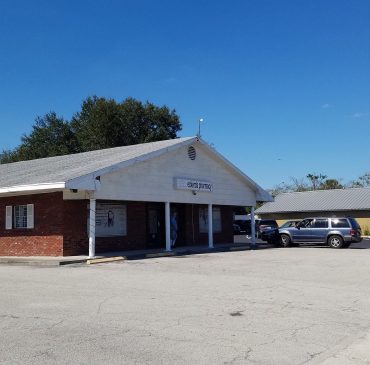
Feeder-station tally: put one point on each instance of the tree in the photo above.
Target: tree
(104, 123)
(329, 184)
(316, 180)
(101, 123)
(51, 136)
(362, 182)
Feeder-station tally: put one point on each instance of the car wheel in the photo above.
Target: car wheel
(335, 241)
(285, 240)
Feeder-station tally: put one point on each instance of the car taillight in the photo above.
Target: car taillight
(353, 232)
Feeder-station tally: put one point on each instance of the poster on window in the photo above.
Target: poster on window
(111, 220)
(203, 220)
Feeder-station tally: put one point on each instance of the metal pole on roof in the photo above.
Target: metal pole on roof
(199, 121)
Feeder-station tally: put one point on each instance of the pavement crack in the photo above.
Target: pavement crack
(100, 305)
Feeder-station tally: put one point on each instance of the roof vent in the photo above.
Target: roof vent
(192, 153)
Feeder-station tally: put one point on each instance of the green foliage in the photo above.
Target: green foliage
(101, 123)
(366, 231)
(330, 184)
(362, 182)
(315, 182)
(50, 136)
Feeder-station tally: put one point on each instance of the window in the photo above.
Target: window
(110, 220)
(339, 223)
(320, 223)
(306, 223)
(19, 216)
(216, 221)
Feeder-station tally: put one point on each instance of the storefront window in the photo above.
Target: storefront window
(203, 220)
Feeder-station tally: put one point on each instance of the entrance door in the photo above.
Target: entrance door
(156, 226)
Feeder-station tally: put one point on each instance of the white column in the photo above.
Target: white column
(210, 226)
(253, 229)
(92, 228)
(168, 225)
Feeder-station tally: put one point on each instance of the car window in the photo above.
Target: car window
(320, 223)
(340, 223)
(306, 223)
(266, 222)
(354, 223)
(286, 224)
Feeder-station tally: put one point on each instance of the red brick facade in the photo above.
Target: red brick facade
(60, 228)
(46, 239)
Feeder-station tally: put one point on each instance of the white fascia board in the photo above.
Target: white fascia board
(261, 194)
(32, 187)
(88, 181)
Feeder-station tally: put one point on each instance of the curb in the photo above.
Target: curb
(104, 260)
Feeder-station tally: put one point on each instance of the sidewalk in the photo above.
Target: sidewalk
(129, 255)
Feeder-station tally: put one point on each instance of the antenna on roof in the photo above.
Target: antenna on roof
(199, 121)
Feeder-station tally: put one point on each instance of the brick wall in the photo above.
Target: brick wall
(60, 228)
(46, 239)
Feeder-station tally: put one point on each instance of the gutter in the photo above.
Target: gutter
(32, 187)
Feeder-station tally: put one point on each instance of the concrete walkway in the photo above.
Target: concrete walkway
(241, 243)
(129, 255)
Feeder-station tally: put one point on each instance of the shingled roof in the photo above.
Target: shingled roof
(62, 171)
(319, 200)
(64, 168)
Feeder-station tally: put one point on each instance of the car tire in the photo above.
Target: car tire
(285, 240)
(335, 241)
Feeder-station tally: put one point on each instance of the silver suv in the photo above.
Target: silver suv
(335, 232)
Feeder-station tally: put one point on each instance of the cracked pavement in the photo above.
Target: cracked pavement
(306, 305)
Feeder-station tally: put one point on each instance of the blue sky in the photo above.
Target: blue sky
(283, 86)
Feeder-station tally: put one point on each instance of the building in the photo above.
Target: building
(121, 199)
(353, 202)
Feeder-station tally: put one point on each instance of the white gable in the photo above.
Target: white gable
(155, 180)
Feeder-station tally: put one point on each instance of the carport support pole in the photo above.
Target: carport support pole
(92, 228)
(210, 226)
(167, 224)
(253, 230)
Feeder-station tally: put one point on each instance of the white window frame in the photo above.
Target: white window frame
(20, 221)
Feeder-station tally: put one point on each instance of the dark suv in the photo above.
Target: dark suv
(335, 232)
(265, 225)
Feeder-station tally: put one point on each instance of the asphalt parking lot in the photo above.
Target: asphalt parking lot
(307, 305)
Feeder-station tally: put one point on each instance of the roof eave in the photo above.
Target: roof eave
(32, 188)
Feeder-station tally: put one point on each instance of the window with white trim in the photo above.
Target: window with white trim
(19, 216)
(216, 220)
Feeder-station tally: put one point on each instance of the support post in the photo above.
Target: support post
(92, 228)
(168, 225)
(210, 226)
(253, 230)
